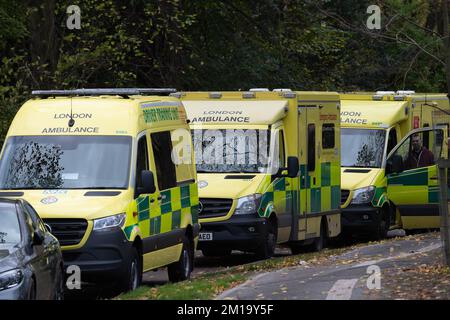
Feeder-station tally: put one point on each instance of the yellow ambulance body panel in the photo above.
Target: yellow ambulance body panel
(250, 205)
(96, 166)
(373, 124)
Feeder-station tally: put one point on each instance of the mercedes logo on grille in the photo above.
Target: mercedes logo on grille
(200, 207)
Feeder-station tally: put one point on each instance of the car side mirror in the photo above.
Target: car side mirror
(293, 167)
(148, 182)
(38, 238)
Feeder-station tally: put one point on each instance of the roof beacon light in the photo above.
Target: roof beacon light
(282, 90)
(248, 95)
(259, 89)
(385, 93)
(405, 92)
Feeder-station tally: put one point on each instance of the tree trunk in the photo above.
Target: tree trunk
(446, 43)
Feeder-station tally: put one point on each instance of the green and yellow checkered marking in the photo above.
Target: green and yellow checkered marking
(175, 204)
(419, 177)
(325, 195)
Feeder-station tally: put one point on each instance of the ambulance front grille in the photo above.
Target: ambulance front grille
(344, 196)
(69, 232)
(214, 207)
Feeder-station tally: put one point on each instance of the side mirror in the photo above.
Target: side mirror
(293, 167)
(148, 182)
(38, 238)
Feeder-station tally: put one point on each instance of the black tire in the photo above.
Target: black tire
(216, 252)
(319, 242)
(32, 291)
(133, 276)
(383, 227)
(58, 293)
(297, 248)
(181, 270)
(267, 248)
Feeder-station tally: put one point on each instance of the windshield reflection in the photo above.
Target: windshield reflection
(362, 147)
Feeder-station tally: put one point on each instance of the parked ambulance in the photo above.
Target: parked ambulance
(390, 143)
(97, 166)
(269, 169)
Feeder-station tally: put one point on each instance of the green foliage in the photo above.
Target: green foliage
(218, 45)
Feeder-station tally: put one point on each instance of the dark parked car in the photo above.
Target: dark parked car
(31, 265)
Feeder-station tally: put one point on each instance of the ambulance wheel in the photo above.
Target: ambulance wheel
(181, 270)
(216, 252)
(133, 277)
(267, 248)
(383, 226)
(297, 248)
(319, 242)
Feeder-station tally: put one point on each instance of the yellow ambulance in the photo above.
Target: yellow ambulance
(268, 165)
(390, 143)
(99, 168)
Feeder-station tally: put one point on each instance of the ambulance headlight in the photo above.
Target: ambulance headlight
(117, 220)
(363, 195)
(248, 204)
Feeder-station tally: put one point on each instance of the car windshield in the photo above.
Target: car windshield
(231, 151)
(66, 162)
(9, 224)
(362, 147)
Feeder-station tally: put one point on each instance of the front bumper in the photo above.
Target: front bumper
(360, 218)
(104, 257)
(245, 233)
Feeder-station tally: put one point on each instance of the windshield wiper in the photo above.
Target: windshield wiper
(359, 167)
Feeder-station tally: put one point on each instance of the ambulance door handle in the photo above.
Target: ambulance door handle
(153, 199)
(434, 178)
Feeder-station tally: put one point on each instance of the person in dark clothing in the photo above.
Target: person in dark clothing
(419, 155)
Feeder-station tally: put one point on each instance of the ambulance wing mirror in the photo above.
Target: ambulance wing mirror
(148, 182)
(293, 167)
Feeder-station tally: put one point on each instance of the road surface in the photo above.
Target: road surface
(357, 274)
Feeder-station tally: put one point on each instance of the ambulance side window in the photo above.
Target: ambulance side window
(328, 136)
(162, 152)
(142, 160)
(282, 154)
(311, 147)
(392, 140)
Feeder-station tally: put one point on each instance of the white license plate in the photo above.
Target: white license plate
(205, 236)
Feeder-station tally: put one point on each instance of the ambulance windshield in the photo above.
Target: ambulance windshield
(231, 150)
(362, 147)
(66, 162)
